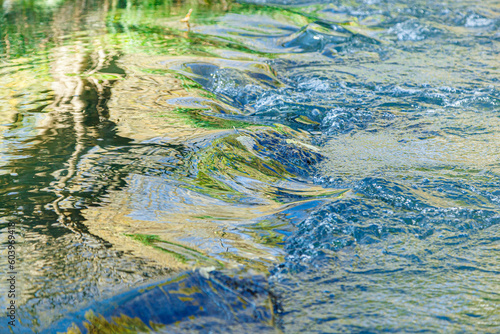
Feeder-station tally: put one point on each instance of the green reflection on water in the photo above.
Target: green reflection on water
(197, 119)
(99, 50)
(180, 252)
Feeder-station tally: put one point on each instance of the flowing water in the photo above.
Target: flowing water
(275, 167)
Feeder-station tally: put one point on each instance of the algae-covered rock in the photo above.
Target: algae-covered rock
(191, 302)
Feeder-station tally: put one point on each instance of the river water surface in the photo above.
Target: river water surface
(275, 167)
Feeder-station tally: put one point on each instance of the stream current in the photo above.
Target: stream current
(278, 167)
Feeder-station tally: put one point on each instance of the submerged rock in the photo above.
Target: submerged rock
(199, 301)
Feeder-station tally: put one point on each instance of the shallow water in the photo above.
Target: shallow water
(282, 166)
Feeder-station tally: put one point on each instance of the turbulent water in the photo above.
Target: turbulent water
(274, 167)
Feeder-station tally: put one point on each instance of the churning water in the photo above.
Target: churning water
(278, 167)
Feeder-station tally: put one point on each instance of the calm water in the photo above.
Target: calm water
(278, 167)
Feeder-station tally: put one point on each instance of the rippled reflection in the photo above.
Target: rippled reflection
(295, 167)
